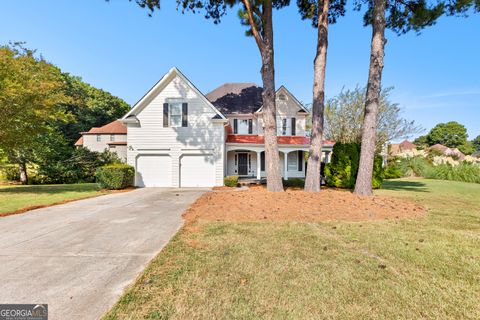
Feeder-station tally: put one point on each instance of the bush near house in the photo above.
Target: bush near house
(230, 181)
(294, 183)
(342, 171)
(115, 176)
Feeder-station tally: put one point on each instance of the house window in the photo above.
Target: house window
(262, 161)
(112, 137)
(282, 97)
(99, 138)
(175, 114)
(284, 127)
(292, 161)
(242, 126)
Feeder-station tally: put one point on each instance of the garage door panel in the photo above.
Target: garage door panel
(154, 171)
(197, 171)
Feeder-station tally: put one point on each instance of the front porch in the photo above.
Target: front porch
(249, 161)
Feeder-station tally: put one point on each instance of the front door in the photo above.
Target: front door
(242, 164)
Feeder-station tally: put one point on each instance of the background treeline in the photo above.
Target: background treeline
(42, 112)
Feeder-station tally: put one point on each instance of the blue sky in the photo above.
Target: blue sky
(117, 47)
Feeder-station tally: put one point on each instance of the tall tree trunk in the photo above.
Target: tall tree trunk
(23, 172)
(265, 46)
(272, 157)
(363, 185)
(312, 180)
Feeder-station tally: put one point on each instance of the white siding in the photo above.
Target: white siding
(90, 142)
(287, 108)
(202, 136)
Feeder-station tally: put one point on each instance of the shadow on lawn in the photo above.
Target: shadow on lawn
(50, 189)
(396, 185)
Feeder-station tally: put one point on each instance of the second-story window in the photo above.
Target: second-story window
(112, 137)
(99, 138)
(284, 127)
(175, 114)
(242, 126)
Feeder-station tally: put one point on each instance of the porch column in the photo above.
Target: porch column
(327, 155)
(259, 164)
(285, 165)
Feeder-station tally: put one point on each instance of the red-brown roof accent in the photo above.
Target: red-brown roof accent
(259, 139)
(79, 142)
(407, 145)
(118, 143)
(114, 127)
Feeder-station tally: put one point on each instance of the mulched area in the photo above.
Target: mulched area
(256, 204)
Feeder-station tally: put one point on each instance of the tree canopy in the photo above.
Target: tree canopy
(30, 91)
(476, 143)
(43, 112)
(451, 134)
(344, 117)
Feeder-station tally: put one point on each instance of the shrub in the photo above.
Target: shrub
(465, 172)
(79, 166)
(294, 183)
(11, 172)
(230, 181)
(377, 178)
(115, 176)
(414, 167)
(342, 171)
(392, 171)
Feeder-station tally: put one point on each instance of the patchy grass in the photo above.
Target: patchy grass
(18, 198)
(424, 268)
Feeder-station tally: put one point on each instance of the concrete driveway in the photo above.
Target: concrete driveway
(79, 257)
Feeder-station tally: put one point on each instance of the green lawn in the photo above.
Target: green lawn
(13, 198)
(427, 268)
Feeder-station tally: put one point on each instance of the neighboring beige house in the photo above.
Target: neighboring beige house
(111, 137)
(446, 151)
(396, 148)
(178, 137)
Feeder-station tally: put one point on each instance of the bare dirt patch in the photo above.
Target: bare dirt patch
(256, 204)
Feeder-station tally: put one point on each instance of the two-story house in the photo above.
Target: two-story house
(111, 137)
(178, 137)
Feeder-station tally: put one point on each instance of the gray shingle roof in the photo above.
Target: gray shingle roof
(239, 98)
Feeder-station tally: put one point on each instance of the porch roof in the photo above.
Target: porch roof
(282, 140)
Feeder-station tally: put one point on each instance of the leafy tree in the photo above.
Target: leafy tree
(476, 143)
(467, 148)
(401, 17)
(30, 91)
(344, 117)
(421, 142)
(89, 107)
(321, 12)
(451, 134)
(462, 7)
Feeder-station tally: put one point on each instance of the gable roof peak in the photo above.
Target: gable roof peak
(167, 78)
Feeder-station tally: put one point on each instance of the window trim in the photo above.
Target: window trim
(292, 156)
(179, 115)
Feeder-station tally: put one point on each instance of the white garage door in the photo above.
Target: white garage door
(154, 171)
(197, 171)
